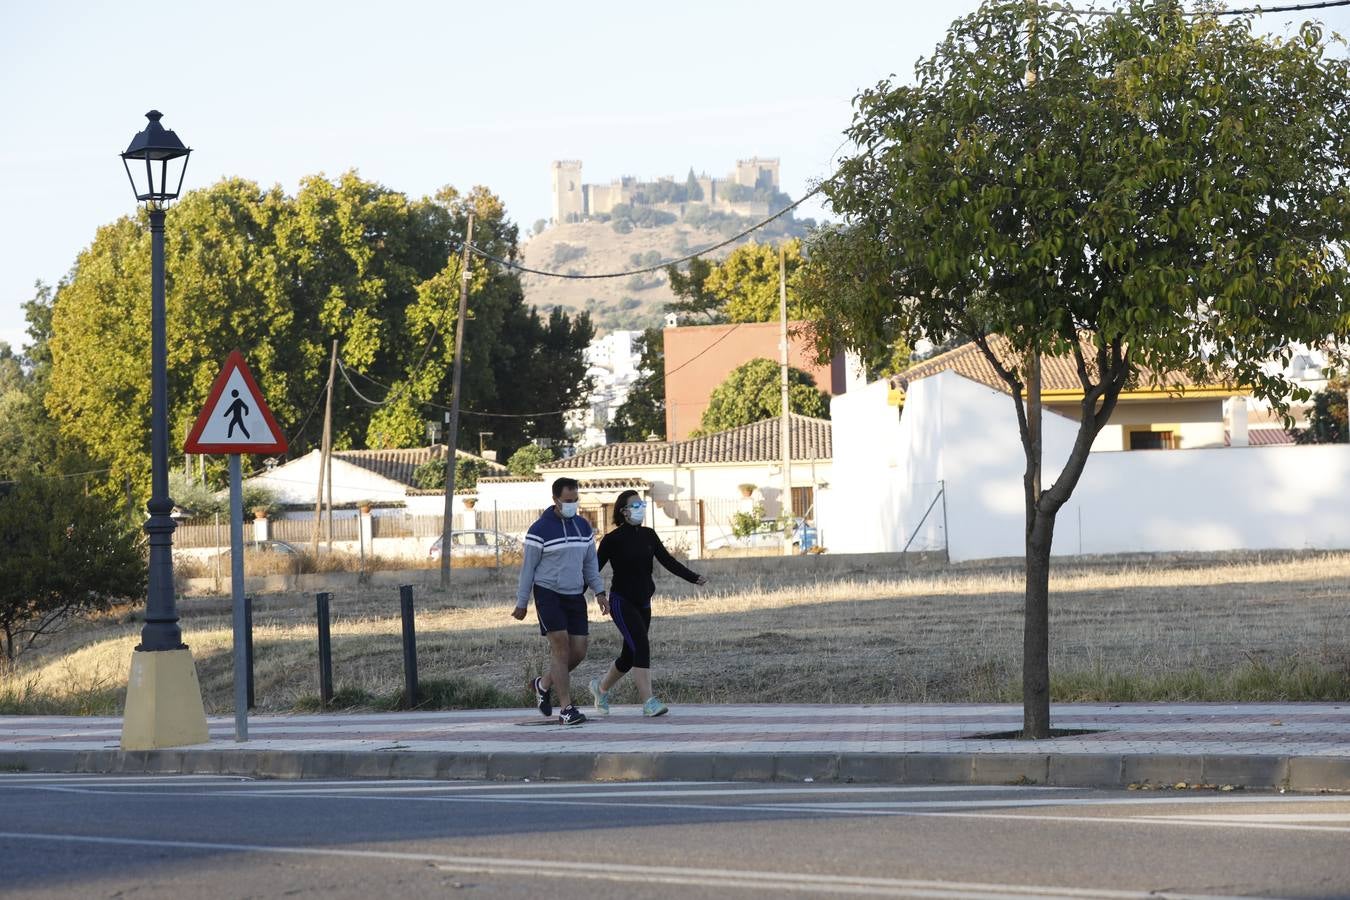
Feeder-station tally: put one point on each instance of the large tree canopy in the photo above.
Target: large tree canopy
(741, 288)
(281, 278)
(753, 392)
(1149, 191)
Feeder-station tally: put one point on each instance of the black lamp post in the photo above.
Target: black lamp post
(164, 159)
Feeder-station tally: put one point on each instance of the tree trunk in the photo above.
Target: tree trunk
(1036, 628)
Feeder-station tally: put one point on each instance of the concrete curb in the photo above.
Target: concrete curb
(1296, 773)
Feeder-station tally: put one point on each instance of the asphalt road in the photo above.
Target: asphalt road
(176, 837)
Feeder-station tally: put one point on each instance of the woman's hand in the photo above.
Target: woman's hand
(702, 580)
(518, 613)
(603, 600)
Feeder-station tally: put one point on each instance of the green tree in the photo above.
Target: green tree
(694, 298)
(526, 461)
(1327, 423)
(1161, 195)
(430, 475)
(282, 278)
(753, 392)
(748, 284)
(66, 553)
(741, 288)
(643, 412)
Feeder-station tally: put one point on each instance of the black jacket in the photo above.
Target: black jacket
(630, 549)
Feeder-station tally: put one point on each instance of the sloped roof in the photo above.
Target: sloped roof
(1058, 373)
(399, 464)
(754, 443)
(1263, 437)
(585, 484)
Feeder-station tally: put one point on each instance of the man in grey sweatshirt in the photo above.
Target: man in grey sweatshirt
(560, 563)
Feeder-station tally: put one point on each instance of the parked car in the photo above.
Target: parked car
(476, 542)
(803, 537)
(268, 546)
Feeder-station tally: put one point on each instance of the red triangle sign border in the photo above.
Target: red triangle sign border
(194, 444)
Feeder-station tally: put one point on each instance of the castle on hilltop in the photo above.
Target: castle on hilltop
(750, 190)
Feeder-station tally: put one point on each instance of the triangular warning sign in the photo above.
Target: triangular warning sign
(235, 418)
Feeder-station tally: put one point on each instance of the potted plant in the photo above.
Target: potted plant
(469, 502)
(365, 506)
(260, 512)
(746, 489)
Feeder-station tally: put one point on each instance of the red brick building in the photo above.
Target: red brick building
(700, 357)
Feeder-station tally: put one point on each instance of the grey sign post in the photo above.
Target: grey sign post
(236, 420)
(237, 599)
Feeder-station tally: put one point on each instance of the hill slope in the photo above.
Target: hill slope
(589, 248)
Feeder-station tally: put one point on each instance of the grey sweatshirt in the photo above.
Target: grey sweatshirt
(559, 555)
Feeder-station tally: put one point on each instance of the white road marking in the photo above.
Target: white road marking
(646, 789)
(1185, 821)
(800, 882)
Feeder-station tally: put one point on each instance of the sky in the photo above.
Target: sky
(418, 95)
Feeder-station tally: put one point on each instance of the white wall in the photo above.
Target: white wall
(296, 481)
(965, 435)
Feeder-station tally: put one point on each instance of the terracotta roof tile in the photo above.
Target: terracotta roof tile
(756, 442)
(586, 484)
(1058, 373)
(399, 464)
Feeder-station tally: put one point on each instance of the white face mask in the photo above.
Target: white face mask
(636, 514)
(569, 508)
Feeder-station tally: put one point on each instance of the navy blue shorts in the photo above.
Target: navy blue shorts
(561, 612)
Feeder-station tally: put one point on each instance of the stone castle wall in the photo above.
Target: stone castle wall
(574, 200)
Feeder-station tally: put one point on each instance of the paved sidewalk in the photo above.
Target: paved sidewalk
(1299, 746)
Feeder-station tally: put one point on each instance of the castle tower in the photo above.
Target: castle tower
(756, 173)
(569, 203)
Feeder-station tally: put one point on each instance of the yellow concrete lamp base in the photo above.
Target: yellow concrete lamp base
(164, 702)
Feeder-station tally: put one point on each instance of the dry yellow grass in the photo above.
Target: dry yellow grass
(1174, 628)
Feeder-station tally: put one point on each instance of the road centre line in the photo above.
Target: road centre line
(616, 789)
(918, 808)
(706, 877)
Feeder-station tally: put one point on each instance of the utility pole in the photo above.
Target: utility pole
(452, 436)
(326, 447)
(784, 417)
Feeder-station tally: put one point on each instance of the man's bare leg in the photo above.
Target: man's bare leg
(559, 659)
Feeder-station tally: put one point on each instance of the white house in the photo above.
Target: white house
(611, 364)
(693, 480)
(948, 472)
(381, 477)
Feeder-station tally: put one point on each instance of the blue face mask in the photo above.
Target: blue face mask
(569, 508)
(636, 513)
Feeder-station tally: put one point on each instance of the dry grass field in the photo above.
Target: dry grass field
(1234, 627)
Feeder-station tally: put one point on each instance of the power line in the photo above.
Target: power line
(477, 251)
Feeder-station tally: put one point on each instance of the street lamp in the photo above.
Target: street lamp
(164, 706)
(163, 156)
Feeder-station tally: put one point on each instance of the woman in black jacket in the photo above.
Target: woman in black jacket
(630, 549)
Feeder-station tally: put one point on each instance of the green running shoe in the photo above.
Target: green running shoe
(601, 697)
(654, 707)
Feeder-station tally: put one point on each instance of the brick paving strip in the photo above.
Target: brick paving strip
(1296, 746)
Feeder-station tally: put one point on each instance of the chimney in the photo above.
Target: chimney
(1237, 422)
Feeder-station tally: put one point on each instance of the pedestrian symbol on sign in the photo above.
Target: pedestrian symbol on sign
(238, 409)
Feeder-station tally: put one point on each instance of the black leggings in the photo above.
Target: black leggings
(633, 622)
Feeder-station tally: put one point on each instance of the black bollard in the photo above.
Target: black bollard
(248, 648)
(405, 602)
(325, 650)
